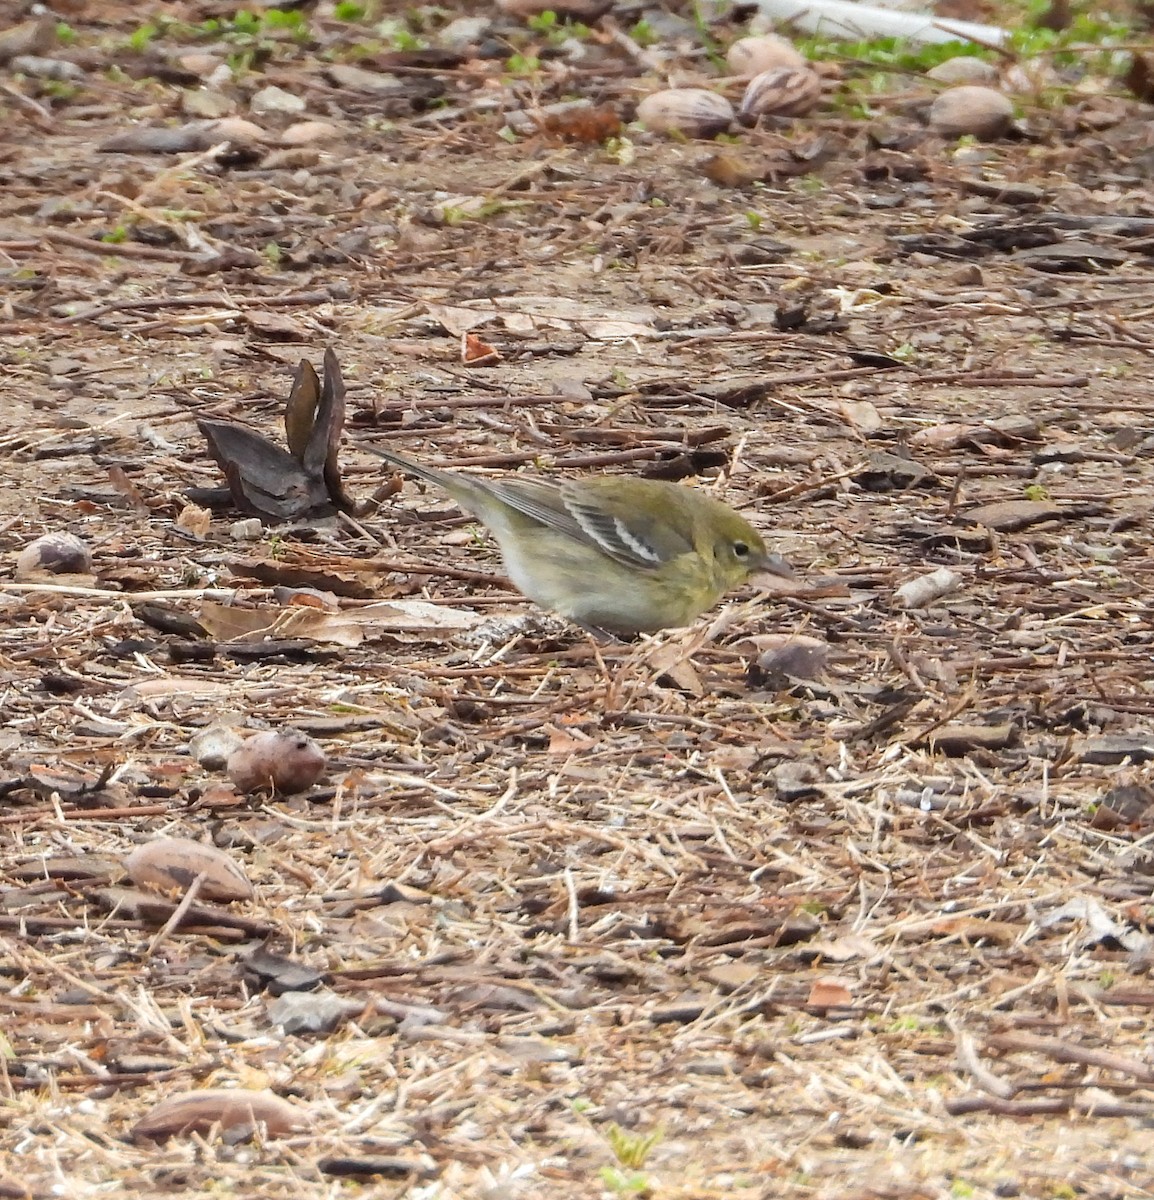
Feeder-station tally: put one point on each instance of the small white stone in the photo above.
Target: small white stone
(200, 102)
(248, 530)
(463, 32)
(199, 63)
(275, 100)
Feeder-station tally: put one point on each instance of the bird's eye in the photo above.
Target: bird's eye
(740, 550)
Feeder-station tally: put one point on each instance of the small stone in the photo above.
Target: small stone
(205, 104)
(795, 780)
(249, 530)
(46, 68)
(236, 129)
(464, 32)
(312, 1012)
(357, 79)
(275, 100)
(199, 63)
(304, 133)
(212, 747)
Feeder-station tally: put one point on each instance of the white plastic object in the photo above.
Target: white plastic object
(845, 19)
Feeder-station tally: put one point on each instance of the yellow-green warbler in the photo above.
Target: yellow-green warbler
(625, 555)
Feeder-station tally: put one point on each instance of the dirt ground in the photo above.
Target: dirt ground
(680, 917)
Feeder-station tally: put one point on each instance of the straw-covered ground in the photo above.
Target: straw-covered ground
(692, 916)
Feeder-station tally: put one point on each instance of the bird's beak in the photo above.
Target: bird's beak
(774, 564)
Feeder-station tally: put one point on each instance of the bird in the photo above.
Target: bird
(613, 553)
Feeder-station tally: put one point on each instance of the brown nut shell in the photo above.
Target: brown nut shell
(285, 761)
(694, 112)
(171, 864)
(232, 1110)
(750, 56)
(782, 92)
(964, 69)
(980, 112)
(56, 553)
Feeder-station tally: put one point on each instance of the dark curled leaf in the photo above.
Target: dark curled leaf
(324, 444)
(301, 410)
(264, 478)
(303, 481)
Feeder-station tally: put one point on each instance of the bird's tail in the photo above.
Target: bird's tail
(470, 493)
(443, 479)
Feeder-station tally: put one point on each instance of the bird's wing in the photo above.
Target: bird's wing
(623, 536)
(540, 501)
(588, 516)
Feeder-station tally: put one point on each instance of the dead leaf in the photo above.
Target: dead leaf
(195, 520)
(581, 122)
(1140, 77)
(973, 929)
(1007, 515)
(174, 685)
(529, 314)
(458, 320)
(304, 481)
(300, 410)
(956, 740)
(30, 37)
(280, 974)
(276, 327)
(1100, 926)
(294, 573)
(830, 993)
(563, 741)
(476, 353)
(885, 472)
(843, 949)
(126, 488)
(793, 656)
(416, 616)
(923, 591)
(265, 479)
(226, 623)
